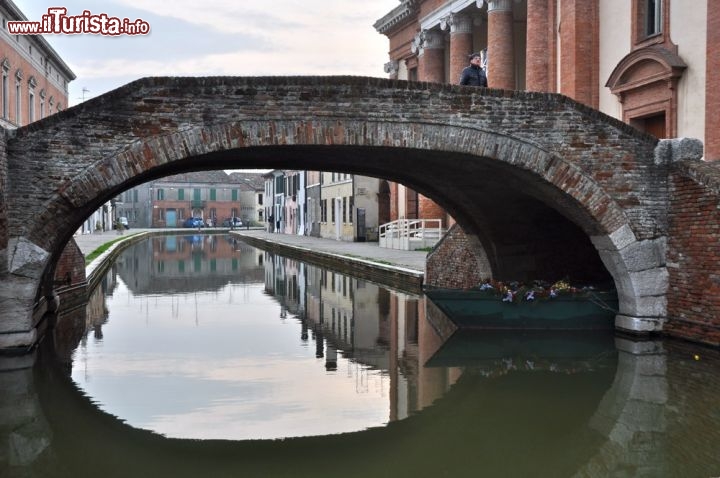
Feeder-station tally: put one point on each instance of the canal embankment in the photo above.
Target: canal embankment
(404, 270)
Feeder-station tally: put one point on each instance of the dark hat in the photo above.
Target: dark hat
(474, 55)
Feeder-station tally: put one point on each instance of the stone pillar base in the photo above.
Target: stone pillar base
(639, 325)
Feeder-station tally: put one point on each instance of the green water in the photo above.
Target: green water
(199, 357)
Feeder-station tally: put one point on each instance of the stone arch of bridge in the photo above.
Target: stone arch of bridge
(443, 159)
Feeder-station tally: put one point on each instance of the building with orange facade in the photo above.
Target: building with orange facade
(34, 77)
(650, 63)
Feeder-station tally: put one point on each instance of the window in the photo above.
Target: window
(31, 107)
(135, 195)
(260, 199)
(5, 93)
(213, 194)
(333, 210)
(234, 194)
(350, 208)
(160, 194)
(196, 194)
(18, 114)
(344, 210)
(181, 194)
(653, 17)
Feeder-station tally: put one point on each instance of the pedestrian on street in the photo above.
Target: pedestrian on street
(474, 74)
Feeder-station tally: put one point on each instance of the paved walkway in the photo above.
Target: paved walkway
(89, 242)
(370, 251)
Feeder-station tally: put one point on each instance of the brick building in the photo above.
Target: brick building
(210, 195)
(34, 77)
(650, 63)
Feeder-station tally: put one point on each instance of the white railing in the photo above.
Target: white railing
(410, 234)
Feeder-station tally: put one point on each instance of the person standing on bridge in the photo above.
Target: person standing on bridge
(474, 74)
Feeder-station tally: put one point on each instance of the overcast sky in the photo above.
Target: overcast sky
(221, 37)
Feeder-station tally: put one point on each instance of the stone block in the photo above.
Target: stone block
(26, 258)
(644, 306)
(639, 325)
(617, 240)
(673, 150)
(651, 282)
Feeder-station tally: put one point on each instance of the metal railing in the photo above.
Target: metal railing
(410, 234)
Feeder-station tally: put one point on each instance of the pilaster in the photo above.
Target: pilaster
(712, 91)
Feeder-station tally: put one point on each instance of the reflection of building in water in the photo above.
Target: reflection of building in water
(74, 323)
(189, 263)
(374, 327)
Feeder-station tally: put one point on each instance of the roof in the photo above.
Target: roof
(17, 14)
(251, 181)
(198, 177)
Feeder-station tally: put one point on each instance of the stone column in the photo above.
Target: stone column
(538, 45)
(501, 56)
(431, 58)
(460, 42)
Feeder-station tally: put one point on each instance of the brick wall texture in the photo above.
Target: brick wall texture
(452, 263)
(70, 268)
(694, 254)
(712, 99)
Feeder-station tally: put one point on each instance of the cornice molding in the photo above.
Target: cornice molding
(398, 16)
(672, 65)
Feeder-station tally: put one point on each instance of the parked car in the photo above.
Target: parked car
(193, 222)
(122, 220)
(232, 222)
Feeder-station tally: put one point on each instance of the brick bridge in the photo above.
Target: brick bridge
(541, 186)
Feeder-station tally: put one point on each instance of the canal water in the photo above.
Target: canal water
(199, 355)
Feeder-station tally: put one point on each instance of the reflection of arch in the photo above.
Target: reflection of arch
(645, 81)
(633, 411)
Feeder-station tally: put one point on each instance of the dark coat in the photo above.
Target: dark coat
(473, 76)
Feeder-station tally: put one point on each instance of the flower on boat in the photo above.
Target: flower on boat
(515, 292)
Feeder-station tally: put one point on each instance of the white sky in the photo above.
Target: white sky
(221, 37)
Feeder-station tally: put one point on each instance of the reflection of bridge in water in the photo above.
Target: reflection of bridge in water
(622, 406)
(627, 419)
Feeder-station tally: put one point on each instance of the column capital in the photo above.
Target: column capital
(427, 40)
(457, 22)
(500, 5)
(392, 67)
